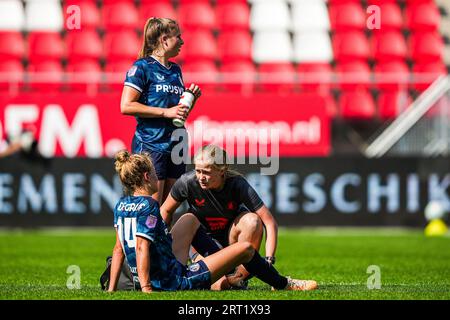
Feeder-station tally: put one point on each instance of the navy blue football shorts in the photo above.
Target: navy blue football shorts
(195, 277)
(164, 167)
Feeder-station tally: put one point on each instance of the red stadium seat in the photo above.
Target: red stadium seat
(380, 2)
(46, 46)
(423, 17)
(347, 16)
(84, 45)
(197, 16)
(357, 105)
(353, 75)
(120, 16)
(391, 75)
(391, 16)
(235, 46)
(146, 2)
(220, 2)
(46, 76)
(203, 73)
(411, 2)
(239, 76)
(343, 1)
(12, 45)
(115, 74)
(11, 75)
(426, 47)
(162, 9)
(351, 46)
(193, 1)
(12, 66)
(119, 66)
(277, 77)
(414, 2)
(84, 76)
(124, 45)
(330, 105)
(392, 103)
(199, 45)
(388, 46)
(90, 15)
(315, 77)
(426, 73)
(233, 16)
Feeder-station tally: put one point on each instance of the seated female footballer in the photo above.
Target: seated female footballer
(222, 206)
(155, 258)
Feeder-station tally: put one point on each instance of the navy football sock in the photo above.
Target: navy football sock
(203, 243)
(265, 272)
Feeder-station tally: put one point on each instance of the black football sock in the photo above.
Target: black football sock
(203, 243)
(259, 267)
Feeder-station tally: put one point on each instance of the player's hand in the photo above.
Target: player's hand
(177, 112)
(195, 90)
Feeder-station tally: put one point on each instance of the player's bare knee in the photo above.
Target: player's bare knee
(191, 219)
(252, 222)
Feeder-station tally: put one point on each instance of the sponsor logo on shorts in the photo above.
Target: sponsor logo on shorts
(194, 267)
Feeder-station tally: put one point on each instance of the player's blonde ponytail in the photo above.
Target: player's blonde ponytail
(154, 28)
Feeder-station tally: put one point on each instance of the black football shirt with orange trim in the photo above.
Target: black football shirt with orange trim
(216, 210)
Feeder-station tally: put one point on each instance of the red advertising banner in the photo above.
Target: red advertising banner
(71, 124)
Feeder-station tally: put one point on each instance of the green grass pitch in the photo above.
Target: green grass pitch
(34, 264)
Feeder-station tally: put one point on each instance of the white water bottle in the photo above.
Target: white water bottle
(187, 99)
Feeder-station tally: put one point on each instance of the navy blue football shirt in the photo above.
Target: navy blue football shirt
(140, 217)
(161, 87)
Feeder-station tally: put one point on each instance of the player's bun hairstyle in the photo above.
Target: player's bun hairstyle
(131, 169)
(153, 30)
(217, 158)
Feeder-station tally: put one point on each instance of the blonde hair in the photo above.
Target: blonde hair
(131, 169)
(217, 158)
(153, 30)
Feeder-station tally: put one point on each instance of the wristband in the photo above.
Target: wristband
(270, 260)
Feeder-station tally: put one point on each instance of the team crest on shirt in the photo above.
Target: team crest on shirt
(231, 205)
(151, 221)
(200, 202)
(194, 267)
(132, 71)
(160, 77)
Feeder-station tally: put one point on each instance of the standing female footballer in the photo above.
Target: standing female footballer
(152, 90)
(224, 206)
(143, 239)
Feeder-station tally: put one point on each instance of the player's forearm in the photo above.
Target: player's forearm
(116, 266)
(141, 110)
(143, 267)
(271, 238)
(167, 216)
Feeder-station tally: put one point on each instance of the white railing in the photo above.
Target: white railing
(410, 117)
